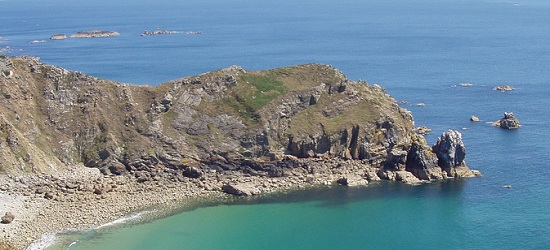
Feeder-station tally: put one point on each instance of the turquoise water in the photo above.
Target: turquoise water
(417, 50)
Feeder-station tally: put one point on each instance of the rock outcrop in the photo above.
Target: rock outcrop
(5, 66)
(261, 123)
(509, 121)
(449, 152)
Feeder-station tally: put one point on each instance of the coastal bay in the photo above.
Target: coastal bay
(418, 51)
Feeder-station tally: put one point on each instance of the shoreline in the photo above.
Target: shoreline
(84, 199)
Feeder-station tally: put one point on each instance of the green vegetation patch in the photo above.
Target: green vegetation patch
(264, 90)
(252, 94)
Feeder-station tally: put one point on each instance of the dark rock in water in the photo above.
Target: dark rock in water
(7, 218)
(445, 159)
(240, 189)
(421, 161)
(450, 150)
(509, 121)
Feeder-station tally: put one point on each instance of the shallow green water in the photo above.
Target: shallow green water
(387, 215)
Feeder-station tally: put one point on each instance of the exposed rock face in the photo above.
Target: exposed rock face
(260, 123)
(450, 151)
(5, 66)
(509, 121)
(421, 161)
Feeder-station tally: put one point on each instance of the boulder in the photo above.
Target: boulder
(7, 218)
(240, 189)
(406, 177)
(352, 181)
(509, 121)
(192, 172)
(117, 168)
(474, 118)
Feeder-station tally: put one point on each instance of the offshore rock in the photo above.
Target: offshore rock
(58, 37)
(504, 88)
(509, 121)
(94, 34)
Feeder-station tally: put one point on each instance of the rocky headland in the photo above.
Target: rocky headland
(86, 151)
(94, 34)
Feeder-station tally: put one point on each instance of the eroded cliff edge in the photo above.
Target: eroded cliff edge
(264, 123)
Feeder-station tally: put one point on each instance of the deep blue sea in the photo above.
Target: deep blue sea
(419, 50)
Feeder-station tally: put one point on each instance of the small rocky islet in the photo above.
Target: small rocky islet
(70, 140)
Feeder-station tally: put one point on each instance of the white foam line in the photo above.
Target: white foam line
(45, 241)
(122, 220)
(49, 239)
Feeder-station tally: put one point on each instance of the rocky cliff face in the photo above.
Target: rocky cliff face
(225, 120)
